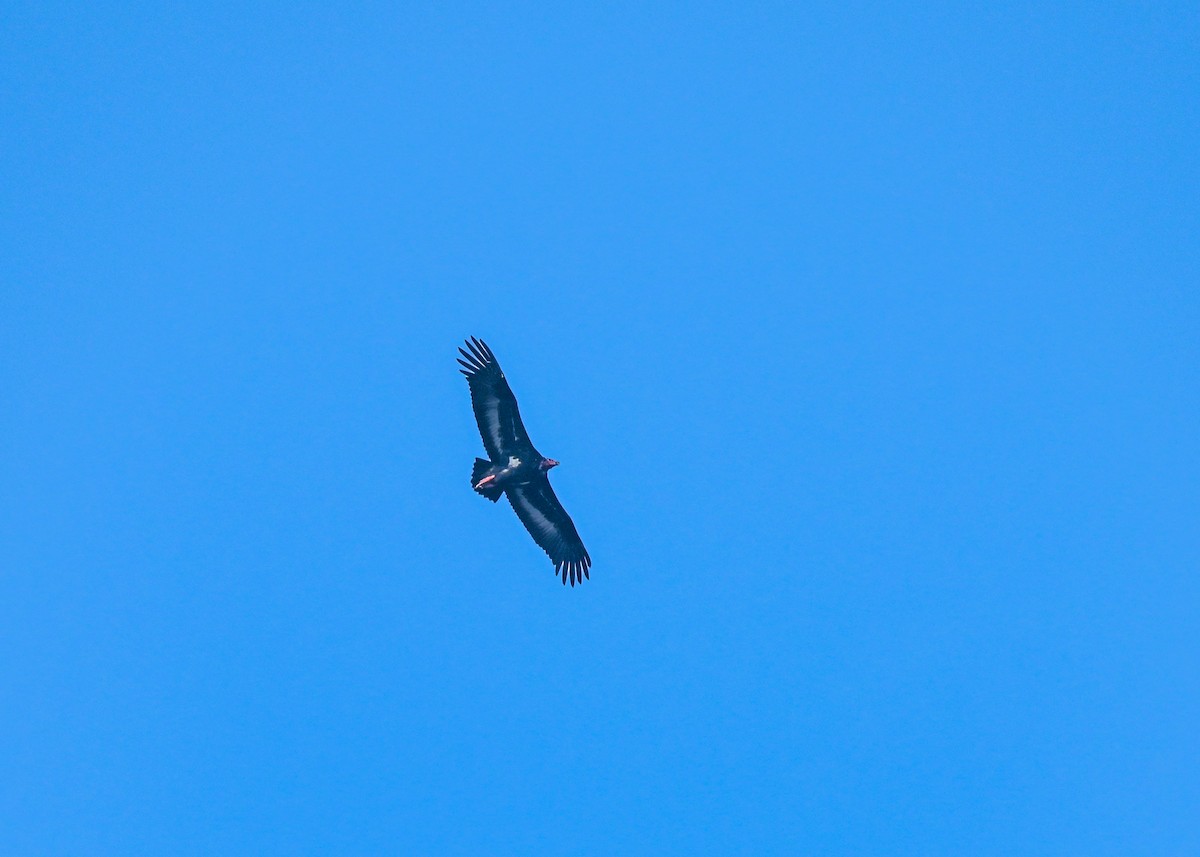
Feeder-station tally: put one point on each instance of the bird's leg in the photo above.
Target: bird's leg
(484, 481)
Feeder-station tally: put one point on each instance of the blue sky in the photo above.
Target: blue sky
(867, 337)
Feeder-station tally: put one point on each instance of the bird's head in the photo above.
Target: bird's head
(547, 463)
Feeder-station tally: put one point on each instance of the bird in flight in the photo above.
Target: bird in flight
(515, 468)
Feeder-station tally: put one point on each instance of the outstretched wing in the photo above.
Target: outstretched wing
(494, 403)
(552, 528)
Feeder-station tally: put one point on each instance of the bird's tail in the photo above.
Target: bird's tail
(480, 471)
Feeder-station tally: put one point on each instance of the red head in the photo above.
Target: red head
(547, 463)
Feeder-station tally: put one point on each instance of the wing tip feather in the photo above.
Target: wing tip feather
(478, 356)
(573, 571)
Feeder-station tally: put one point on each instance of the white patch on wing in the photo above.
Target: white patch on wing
(535, 515)
(513, 461)
(492, 415)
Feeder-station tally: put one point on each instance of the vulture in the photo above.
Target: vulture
(514, 468)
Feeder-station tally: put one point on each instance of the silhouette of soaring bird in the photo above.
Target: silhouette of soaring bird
(515, 468)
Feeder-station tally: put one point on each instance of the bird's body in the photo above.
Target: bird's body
(513, 472)
(515, 468)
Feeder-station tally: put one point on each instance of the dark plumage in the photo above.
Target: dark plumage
(515, 468)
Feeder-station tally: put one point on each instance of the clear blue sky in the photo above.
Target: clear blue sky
(868, 337)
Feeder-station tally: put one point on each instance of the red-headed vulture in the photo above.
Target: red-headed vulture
(513, 467)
